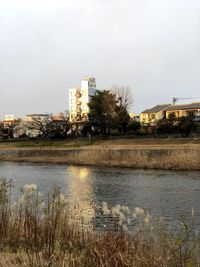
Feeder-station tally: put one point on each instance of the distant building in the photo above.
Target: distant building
(152, 115)
(79, 99)
(9, 121)
(134, 116)
(9, 117)
(33, 117)
(60, 117)
(187, 110)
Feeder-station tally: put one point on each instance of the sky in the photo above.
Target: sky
(48, 46)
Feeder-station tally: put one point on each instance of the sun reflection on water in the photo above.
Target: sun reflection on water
(81, 195)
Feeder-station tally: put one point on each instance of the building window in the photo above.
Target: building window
(191, 114)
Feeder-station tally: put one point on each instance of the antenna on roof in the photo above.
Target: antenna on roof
(175, 99)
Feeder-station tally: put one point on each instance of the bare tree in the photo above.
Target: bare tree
(124, 95)
(48, 126)
(39, 126)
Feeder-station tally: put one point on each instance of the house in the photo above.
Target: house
(186, 110)
(152, 115)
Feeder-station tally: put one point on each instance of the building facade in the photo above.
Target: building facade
(187, 110)
(153, 115)
(79, 99)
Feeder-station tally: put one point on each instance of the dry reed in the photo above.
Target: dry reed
(36, 233)
(176, 159)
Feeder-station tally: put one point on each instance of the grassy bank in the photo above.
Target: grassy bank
(177, 154)
(81, 143)
(36, 231)
(177, 158)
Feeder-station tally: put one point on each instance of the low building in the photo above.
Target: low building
(9, 120)
(134, 117)
(79, 99)
(186, 110)
(152, 115)
(33, 117)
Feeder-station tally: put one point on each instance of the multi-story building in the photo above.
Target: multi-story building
(79, 99)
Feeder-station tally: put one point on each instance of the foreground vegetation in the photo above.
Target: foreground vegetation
(37, 231)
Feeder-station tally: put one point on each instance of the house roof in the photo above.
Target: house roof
(184, 107)
(156, 108)
(38, 115)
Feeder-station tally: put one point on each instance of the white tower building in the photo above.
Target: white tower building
(79, 99)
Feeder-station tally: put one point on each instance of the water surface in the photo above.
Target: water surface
(168, 193)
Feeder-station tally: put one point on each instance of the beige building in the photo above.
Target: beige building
(187, 110)
(134, 116)
(151, 116)
(79, 99)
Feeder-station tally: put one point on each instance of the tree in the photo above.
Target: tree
(124, 95)
(102, 114)
(9, 128)
(107, 112)
(123, 118)
(48, 127)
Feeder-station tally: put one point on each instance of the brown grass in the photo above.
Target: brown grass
(37, 237)
(86, 143)
(159, 158)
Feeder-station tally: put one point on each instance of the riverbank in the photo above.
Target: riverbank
(168, 154)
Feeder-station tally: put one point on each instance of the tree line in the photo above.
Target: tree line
(108, 115)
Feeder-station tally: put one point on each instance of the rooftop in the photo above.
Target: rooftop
(37, 115)
(156, 108)
(184, 107)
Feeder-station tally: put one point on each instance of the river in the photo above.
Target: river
(169, 193)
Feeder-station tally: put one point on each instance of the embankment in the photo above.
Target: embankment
(158, 157)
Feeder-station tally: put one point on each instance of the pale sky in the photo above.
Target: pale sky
(47, 46)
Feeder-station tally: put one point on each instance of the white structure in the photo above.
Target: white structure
(33, 117)
(79, 98)
(9, 117)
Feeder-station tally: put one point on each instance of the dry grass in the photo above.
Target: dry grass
(163, 153)
(38, 234)
(160, 158)
(85, 143)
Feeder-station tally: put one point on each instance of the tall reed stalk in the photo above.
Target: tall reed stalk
(39, 233)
